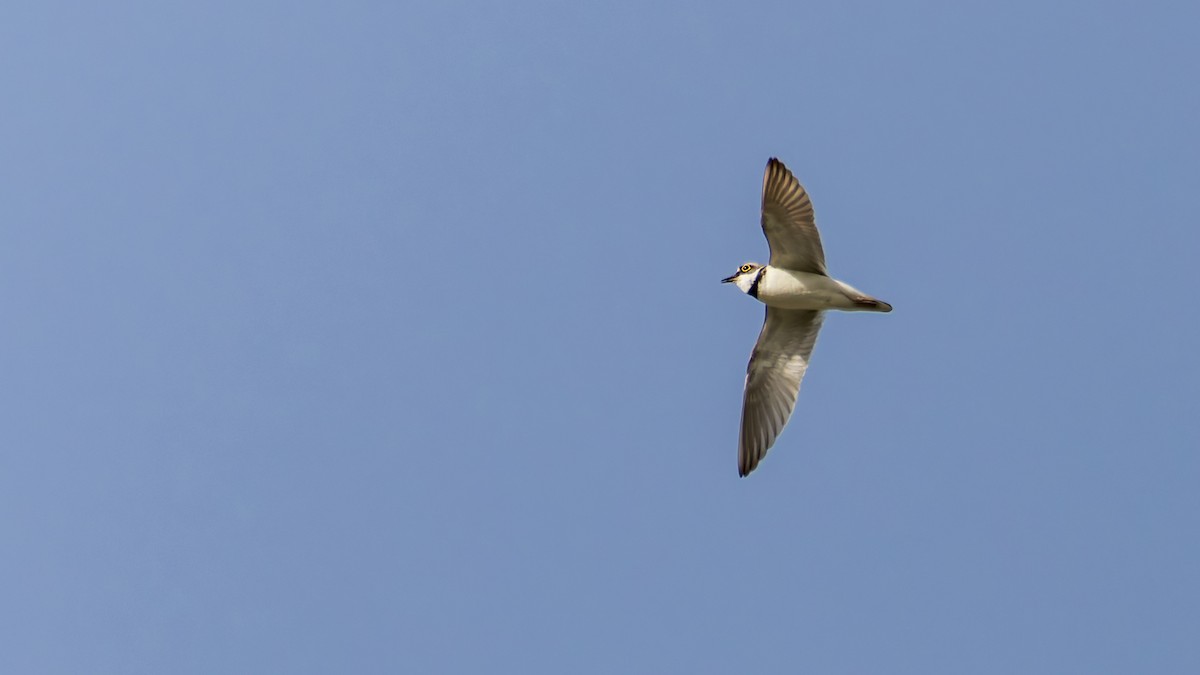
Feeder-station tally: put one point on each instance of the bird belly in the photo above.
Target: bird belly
(801, 290)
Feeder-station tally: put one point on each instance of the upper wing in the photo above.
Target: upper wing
(773, 380)
(788, 222)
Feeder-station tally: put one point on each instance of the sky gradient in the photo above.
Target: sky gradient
(389, 337)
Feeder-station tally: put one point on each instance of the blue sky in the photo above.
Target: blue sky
(388, 337)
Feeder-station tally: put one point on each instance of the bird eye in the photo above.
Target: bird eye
(746, 268)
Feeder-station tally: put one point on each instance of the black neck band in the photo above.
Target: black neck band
(757, 279)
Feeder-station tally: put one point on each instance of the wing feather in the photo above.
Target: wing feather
(773, 378)
(789, 223)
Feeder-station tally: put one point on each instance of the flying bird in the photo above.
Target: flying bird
(797, 289)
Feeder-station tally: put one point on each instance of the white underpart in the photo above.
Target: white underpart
(801, 290)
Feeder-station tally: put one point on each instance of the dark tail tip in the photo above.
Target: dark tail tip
(873, 304)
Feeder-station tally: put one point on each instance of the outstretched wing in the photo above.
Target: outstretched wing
(789, 223)
(773, 380)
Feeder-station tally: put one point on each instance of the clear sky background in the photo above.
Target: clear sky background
(388, 338)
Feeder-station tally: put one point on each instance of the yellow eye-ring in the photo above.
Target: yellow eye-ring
(747, 268)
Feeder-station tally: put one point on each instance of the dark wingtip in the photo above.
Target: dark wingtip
(746, 465)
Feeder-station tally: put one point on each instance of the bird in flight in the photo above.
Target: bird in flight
(797, 290)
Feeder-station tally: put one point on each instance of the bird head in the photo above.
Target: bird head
(745, 276)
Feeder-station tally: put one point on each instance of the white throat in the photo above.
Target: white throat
(748, 282)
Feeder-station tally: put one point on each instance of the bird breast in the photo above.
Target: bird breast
(787, 289)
